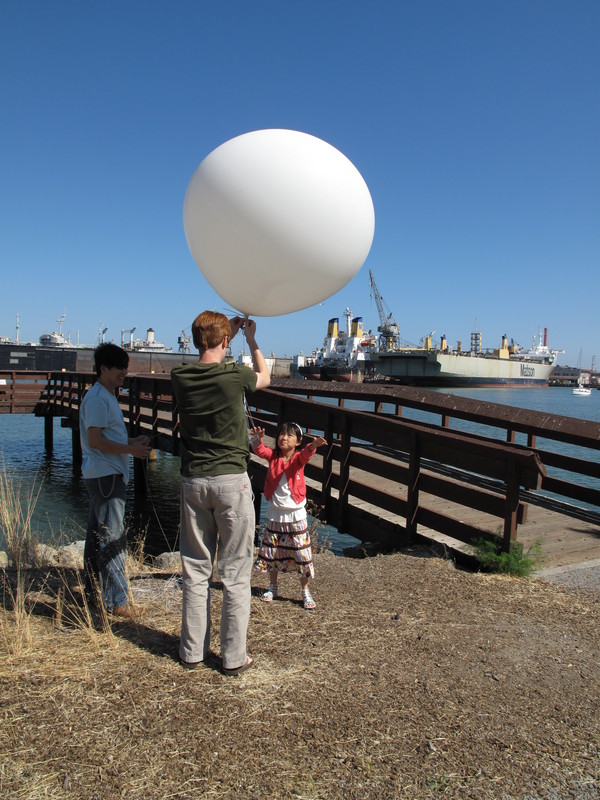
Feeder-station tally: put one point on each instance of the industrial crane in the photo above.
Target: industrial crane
(184, 341)
(388, 327)
(130, 331)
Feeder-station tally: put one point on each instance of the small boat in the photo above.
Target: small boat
(581, 390)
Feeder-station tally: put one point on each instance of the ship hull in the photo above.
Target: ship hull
(428, 368)
(337, 374)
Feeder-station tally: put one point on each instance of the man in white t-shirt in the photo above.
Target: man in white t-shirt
(106, 448)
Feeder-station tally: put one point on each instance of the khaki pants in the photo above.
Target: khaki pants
(216, 508)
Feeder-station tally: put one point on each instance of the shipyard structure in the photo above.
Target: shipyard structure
(55, 352)
(351, 354)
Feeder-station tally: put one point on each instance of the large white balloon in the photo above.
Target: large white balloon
(277, 220)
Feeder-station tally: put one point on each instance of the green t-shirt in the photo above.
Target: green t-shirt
(212, 423)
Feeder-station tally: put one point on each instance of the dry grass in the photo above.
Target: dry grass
(411, 680)
(16, 511)
(16, 629)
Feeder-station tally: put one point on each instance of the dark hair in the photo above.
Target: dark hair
(288, 427)
(110, 355)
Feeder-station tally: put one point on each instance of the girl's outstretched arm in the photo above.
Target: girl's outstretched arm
(257, 444)
(318, 441)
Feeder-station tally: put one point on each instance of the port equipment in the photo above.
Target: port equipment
(388, 327)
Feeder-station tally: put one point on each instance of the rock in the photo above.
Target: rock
(71, 555)
(46, 555)
(168, 562)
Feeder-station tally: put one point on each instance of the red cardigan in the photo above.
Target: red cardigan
(294, 470)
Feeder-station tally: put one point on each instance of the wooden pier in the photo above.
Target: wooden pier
(387, 479)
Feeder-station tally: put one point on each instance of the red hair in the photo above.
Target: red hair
(209, 328)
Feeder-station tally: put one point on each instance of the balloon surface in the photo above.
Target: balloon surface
(277, 220)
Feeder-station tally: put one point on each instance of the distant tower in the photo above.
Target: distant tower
(184, 342)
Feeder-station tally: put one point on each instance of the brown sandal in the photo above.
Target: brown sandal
(238, 670)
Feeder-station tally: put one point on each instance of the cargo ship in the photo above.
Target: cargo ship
(507, 365)
(355, 356)
(346, 355)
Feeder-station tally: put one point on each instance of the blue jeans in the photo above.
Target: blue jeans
(105, 549)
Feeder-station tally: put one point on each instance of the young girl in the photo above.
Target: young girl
(286, 543)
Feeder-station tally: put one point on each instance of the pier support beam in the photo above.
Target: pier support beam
(48, 432)
(76, 446)
(140, 485)
(511, 507)
(412, 488)
(73, 424)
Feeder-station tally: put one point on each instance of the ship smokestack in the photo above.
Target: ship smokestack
(357, 327)
(333, 328)
(545, 337)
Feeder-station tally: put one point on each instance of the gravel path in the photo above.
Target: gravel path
(585, 575)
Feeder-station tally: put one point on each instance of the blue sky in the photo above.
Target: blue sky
(474, 124)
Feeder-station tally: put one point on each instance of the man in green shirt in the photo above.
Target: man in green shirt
(216, 496)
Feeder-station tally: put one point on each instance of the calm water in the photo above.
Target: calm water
(61, 506)
(60, 510)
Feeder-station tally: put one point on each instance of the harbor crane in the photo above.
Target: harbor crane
(184, 341)
(388, 327)
(130, 331)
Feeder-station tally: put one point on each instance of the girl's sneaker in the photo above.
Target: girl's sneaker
(270, 594)
(307, 600)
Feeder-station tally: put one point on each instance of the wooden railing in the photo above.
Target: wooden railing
(494, 422)
(383, 476)
(20, 391)
(378, 464)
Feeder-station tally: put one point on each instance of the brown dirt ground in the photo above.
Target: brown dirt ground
(412, 679)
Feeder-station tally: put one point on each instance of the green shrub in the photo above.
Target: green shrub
(515, 562)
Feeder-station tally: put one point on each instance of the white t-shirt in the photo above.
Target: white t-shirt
(100, 409)
(283, 507)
